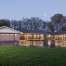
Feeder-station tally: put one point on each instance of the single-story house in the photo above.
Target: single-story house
(22, 37)
(8, 36)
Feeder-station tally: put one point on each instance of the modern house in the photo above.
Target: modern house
(8, 36)
(21, 37)
(32, 37)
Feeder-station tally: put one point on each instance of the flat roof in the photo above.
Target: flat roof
(31, 31)
(57, 33)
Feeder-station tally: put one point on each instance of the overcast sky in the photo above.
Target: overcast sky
(44, 9)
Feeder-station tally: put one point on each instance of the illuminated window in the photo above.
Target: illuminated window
(22, 37)
(51, 37)
(30, 36)
(48, 37)
(38, 36)
(58, 37)
(34, 36)
(64, 37)
(15, 34)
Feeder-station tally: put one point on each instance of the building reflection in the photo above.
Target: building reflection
(58, 40)
(31, 40)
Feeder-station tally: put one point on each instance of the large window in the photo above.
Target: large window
(58, 37)
(58, 43)
(22, 37)
(64, 37)
(30, 36)
(34, 36)
(49, 37)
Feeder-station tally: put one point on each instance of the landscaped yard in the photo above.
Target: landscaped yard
(29, 56)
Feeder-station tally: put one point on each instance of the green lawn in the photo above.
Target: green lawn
(28, 56)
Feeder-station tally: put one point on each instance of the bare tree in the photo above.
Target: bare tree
(56, 20)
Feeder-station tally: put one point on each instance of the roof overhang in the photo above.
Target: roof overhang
(5, 29)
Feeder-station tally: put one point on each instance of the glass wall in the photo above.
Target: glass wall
(31, 40)
(64, 36)
(38, 40)
(40, 43)
(22, 36)
(59, 40)
(49, 37)
(30, 36)
(58, 37)
(58, 43)
(49, 43)
(22, 43)
(34, 36)
(36, 43)
(64, 45)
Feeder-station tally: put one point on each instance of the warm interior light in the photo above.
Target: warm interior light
(49, 35)
(34, 36)
(30, 36)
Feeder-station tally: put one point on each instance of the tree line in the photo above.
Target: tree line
(57, 23)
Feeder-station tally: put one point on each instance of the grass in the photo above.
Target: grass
(28, 56)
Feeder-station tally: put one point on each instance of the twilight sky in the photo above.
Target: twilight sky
(44, 9)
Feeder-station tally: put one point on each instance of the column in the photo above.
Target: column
(14, 39)
(52, 42)
(45, 43)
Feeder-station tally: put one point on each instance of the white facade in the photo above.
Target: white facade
(9, 36)
(5, 29)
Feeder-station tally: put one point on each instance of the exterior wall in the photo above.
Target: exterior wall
(57, 41)
(17, 37)
(50, 41)
(9, 37)
(6, 37)
(60, 41)
(9, 43)
(32, 41)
